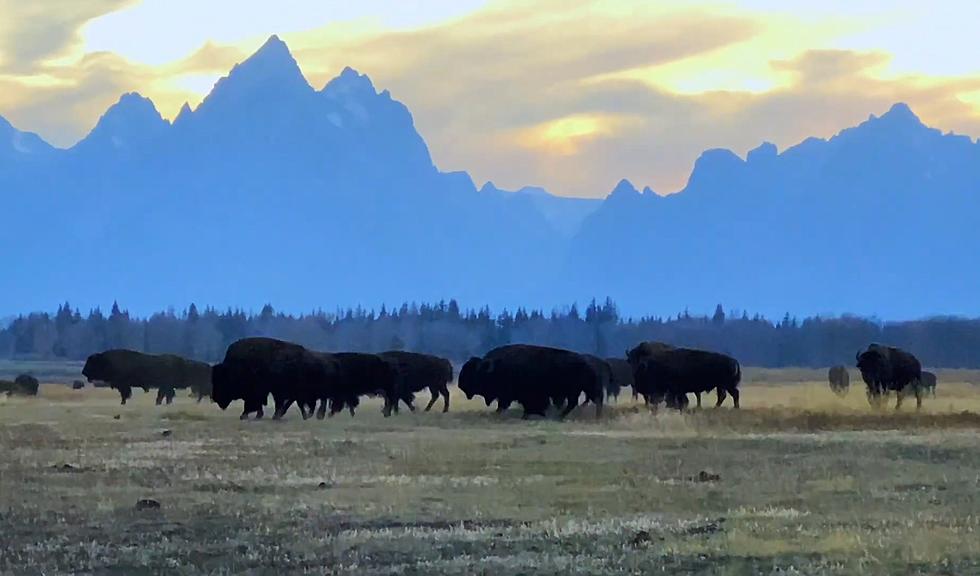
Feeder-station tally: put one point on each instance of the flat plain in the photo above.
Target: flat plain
(798, 481)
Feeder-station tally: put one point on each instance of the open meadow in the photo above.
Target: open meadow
(798, 481)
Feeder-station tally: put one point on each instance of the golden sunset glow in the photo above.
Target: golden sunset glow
(569, 95)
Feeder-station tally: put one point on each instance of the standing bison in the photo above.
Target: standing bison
(416, 372)
(359, 375)
(928, 381)
(254, 368)
(886, 368)
(533, 376)
(622, 376)
(840, 380)
(664, 372)
(23, 385)
(128, 369)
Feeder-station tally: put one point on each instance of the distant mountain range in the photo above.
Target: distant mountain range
(273, 191)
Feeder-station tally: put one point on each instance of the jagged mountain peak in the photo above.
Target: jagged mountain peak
(624, 188)
(17, 144)
(270, 76)
(901, 112)
(132, 120)
(350, 82)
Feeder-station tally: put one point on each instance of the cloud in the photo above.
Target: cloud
(32, 32)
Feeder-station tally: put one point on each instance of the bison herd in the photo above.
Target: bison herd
(539, 379)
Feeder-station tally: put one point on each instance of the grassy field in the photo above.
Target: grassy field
(797, 482)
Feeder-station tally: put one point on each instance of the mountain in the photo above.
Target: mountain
(269, 191)
(272, 190)
(564, 214)
(876, 220)
(18, 147)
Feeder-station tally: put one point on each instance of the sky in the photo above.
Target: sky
(572, 95)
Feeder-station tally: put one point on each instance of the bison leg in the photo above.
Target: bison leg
(734, 393)
(572, 404)
(445, 399)
(721, 397)
(125, 392)
(170, 396)
(160, 396)
(410, 402)
(281, 408)
(900, 395)
(249, 408)
(305, 410)
(698, 396)
(321, 412)
(432, 401)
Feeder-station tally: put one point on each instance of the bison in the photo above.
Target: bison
(664, 372)
(361, 374)
(416, 372)
(928, 382)
(254, 368)
(23, 385)
(127, 369)
(533, 376)
(839, 380)
(622, 376)
(886, 368)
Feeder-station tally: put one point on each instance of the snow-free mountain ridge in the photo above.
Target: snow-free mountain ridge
(272, 190)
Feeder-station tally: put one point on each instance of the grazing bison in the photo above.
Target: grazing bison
(254, 368)
(534, 377)
(886, 368)
(361, 375)
(23, 385)
(201, 389)
(928, 382)
(128, 369)
(839, 380)
(663, 372)
(622, 377)
(416, 372)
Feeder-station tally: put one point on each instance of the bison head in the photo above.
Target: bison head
(469, 377)
(97, 368)
(222, 386)
(873, 365)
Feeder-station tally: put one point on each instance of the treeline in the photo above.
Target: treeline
(446, 330)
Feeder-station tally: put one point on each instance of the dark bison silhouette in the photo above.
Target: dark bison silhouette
(23, 385)
(928, 382)
(359, 375)
(622, 377)
(840, 380)
(124, 370)
(664, 372)
(886, 368)
(416, 372)
(533, 376)
(255, 368)
(605, 373)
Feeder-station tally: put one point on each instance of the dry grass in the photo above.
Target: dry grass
(809, 484)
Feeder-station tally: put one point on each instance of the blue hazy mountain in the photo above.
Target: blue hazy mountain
(268, 191)
(272, 190)
(564, 214)
(879, 219)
